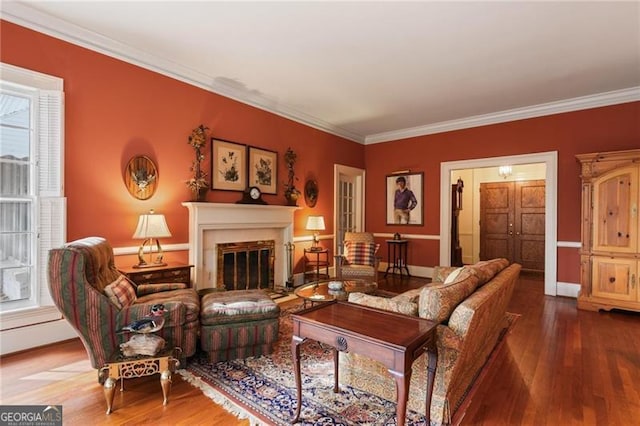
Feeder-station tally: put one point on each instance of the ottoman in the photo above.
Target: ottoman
(238, 324)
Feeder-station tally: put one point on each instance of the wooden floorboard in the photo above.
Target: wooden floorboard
(558, 366)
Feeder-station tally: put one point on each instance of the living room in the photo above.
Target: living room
(117, 109)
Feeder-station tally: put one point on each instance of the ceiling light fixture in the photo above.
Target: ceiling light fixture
(505, 171)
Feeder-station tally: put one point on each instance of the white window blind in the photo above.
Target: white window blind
(46, 190)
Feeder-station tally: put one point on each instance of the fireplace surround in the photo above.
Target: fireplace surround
(211, 224)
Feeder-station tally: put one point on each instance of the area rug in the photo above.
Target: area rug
(263, 389)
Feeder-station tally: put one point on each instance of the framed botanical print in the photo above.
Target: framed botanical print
(263, 170)
(228, 165)
(405, 199)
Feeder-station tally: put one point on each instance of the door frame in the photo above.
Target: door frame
(359, 175)
(550, 159)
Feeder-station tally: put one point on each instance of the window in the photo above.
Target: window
(32, 206)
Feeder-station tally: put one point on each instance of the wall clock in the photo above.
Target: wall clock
(141, 177)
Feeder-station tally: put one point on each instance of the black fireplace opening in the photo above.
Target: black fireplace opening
(246, 265)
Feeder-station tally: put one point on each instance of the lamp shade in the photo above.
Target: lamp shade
(315, 223)
(151, 226)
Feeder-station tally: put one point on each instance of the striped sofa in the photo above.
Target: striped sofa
(78, 274)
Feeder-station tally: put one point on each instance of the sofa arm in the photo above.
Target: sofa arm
(144, 289)
(448, 339)
(402, 307)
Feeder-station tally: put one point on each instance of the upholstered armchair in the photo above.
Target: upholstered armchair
(359, 258)
(97, 300)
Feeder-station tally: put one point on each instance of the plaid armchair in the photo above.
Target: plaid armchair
(78, 274)
(359, 258)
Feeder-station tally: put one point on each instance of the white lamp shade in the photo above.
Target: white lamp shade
(315, 223)
(151, 226)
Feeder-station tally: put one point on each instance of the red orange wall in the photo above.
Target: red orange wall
(115, 110)
(600, 129)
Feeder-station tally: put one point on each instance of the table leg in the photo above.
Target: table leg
(404, 260)
(403, 380)
(165, 383)
(109, 391)
(432, 363)
(388, 261)
(295, 352)
(336, 360)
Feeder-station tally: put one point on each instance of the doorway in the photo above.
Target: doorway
(550, 161)
(348, 203)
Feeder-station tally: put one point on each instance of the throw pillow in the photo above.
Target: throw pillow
(358, 253)
(121, 292)
(453, 275)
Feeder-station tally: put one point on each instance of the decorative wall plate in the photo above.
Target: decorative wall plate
(141, 177)
(311, 193)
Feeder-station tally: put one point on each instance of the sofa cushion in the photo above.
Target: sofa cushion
(440, 273)
(487, 269)
(237, 306)
(360, 253)
(402, 307)
(438, 301)
(121, 292)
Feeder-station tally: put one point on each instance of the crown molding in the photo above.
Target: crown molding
(23, 15)
(614, 97)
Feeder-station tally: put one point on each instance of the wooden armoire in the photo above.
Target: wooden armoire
(610, 253)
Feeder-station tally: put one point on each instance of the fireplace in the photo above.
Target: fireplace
(246, 265)
(213, 224)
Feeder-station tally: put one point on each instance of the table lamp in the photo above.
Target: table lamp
(151, 227)
(315, 223)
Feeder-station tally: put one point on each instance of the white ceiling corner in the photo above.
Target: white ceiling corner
(381, 71)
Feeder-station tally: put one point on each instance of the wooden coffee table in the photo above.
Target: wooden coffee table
(393, 339)
(319, 291)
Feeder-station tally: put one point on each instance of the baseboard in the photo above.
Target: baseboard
(23, 338)
(567, 289)
(415, 271)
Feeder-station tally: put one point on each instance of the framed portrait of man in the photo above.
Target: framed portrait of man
(405, 197)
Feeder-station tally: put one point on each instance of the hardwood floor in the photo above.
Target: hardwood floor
(558, 366)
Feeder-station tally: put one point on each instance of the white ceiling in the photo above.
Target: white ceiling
(371, 71)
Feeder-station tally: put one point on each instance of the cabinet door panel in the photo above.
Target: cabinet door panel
(612, 278)
(615, 217)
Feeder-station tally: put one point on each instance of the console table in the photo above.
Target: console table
(173, 272)
(393, 339)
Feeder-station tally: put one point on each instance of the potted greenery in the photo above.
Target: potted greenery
(198, 184)
(290, 192)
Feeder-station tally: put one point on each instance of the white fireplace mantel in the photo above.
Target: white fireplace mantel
(213, 223)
